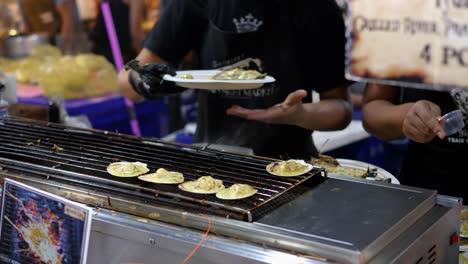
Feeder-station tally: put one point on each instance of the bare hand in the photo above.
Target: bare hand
(421, 123)
(288, 112)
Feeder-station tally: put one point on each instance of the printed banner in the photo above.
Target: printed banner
(37, 227)
(415, 43)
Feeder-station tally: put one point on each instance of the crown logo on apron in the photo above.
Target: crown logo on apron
(247, 23)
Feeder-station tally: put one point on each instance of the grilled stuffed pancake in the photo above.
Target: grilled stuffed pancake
(239, 74)
(163, 176)
(289, 168)
(127, 169)
(236, 191)
(204, 185)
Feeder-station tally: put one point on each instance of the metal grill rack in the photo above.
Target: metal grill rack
(80, 157)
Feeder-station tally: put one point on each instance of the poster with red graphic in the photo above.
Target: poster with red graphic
(41, 228)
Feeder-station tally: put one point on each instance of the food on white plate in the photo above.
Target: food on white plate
(324, 161)
(345, 171)
(127, 169)
(464, 214)
(289, 168)
(239, 74)
(464, 228)
(463, 258)
(163, 176)
(463, 244)
(187, 76)
(203, 185)
(236, 191)
(331, 165)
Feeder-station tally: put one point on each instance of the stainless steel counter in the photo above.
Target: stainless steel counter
(306, 219)
(340, 220)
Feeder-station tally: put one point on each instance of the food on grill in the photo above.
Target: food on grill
(236, 191)
(289, 168)
(187, 76)
(464, 228)
(239, 74)
(56, 148)
(204, 185)
(164, 177)
(127, 169)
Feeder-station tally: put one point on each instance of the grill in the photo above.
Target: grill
(79, 157)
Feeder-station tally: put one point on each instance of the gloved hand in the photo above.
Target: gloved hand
(148, 80)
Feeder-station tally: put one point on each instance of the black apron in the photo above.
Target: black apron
(101, 44)
(41, 16)
(440, 164)
(275, 48)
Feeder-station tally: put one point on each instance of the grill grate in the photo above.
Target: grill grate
(80, 157)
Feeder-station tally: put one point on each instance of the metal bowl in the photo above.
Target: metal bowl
(21, 46)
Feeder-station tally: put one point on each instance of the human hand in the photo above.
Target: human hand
(151, 73)
(422, 123)
(288, 112)
(148, 80)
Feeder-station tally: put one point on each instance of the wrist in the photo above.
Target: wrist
(299, 118)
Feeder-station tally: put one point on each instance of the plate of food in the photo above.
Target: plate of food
(464, 222)
(353, 168)
(234, 79)
(289, 168)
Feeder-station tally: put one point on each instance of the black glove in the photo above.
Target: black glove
(148, 80)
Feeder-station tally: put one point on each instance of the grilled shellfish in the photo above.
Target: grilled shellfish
(236, 191)
(289, 168)
(204, 185)
(127, 169)
(163, 176)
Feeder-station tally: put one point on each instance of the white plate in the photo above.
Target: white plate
(201, 80)
(269, 168)
(381, 173)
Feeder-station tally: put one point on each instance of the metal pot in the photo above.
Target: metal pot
(21, 46)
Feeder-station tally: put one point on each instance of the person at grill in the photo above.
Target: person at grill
(300, 43)
(128, 28)
(51, 17)
(433, 159)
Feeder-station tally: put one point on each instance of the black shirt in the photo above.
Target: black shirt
(439, 164)
(121, 17)
(300, 43)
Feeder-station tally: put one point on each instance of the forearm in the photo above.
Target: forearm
(136, 18)
(326, 115)
(384, 119)
(66, 12)
(126, 89)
